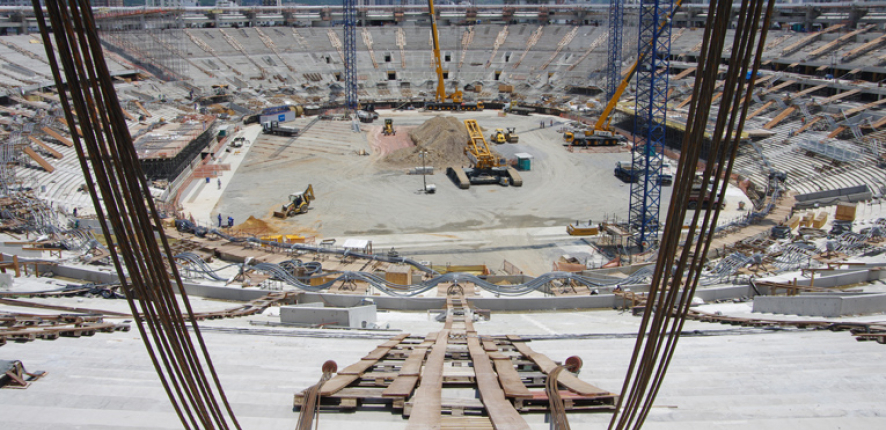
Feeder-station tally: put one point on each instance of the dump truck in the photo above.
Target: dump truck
(274, 127)
(298, 203)
(389, 128)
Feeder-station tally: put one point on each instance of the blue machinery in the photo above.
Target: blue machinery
(613, 67)
(649, 121)
(350, 12)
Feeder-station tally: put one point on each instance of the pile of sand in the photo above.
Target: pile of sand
(254, 225)
(443, 137)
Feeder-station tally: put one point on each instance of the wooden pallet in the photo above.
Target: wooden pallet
(411, 374)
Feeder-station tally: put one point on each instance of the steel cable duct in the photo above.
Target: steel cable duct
(284, 274)
(111, 167)
(678, 271)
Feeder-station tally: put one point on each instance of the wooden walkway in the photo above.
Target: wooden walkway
(411, 374)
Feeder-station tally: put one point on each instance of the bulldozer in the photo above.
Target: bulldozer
(298, 203)
(389, 128)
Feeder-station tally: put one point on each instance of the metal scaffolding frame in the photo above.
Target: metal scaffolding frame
(154, 41)
(649, 123)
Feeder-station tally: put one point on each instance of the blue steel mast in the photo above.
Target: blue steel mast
(649, 121)
(350, 12)
(613, 67)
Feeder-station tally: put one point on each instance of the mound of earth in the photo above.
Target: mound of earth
(254, 225)
(444, 139)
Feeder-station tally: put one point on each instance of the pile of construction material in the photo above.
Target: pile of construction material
(443, 138)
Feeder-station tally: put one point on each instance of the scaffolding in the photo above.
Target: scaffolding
(153, 41)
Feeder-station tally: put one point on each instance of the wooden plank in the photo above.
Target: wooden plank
(377, 353)
(839, 96)
(501, 412)
(48, 149)
(402, 386)
(426, 411)
(74, 128)
(685, 102)
(809, 124)
(36, 157)
(489, 345)
(337, 383)
(566, 379)
(863, 108)
(794, 47)
(837, 131)
(780, 117)
(761, 109)
(465, 423)
(57, 136)
(142, 108)
(777, 87)
(836, 42)
(685, 73)
(358, 367)
(510, 380)
(807, 91)
(412, 365)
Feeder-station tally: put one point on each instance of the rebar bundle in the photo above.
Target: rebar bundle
(678, 271)
(127, 206)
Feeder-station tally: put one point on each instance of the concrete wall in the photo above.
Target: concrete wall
(822, 304)
(356, 317)
(9, 250)
(839, 278)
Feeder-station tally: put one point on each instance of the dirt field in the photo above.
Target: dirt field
(365, 197)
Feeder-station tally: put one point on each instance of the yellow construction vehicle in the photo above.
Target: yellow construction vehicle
(389, 128)
(440, 97)
(602, 134)
(498, 136)
(487, 169)
(298, 203)
(511, 135)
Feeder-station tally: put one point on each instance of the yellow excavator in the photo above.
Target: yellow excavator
(487, 169)
(298, 203)
(440, 97)
(389, 128)
(602, 134)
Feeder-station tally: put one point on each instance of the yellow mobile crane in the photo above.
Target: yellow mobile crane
(440, 97)
(487, 169)
(602, 134)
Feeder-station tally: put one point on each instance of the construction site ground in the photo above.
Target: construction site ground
(366, 197)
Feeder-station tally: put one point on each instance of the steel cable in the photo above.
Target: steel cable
(678, 272)
(126, 205)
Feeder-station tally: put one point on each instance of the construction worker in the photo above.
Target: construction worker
(230, 222)
(219, 219)
(219, 183)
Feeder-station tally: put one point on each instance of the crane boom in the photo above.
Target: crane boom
(478, 149)
(603, 121)
(438, 65)
(441, 96)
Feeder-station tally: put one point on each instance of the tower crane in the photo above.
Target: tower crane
(647, 158)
